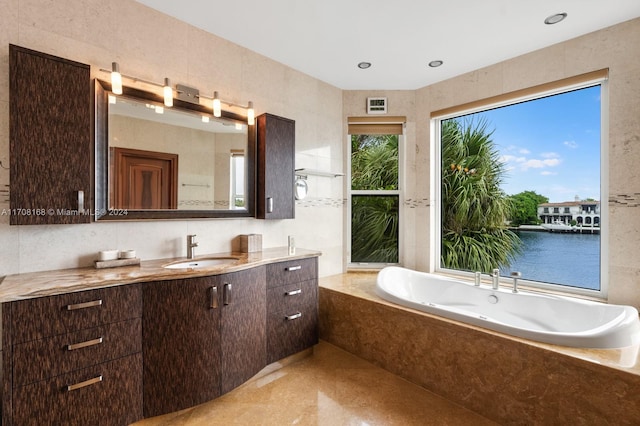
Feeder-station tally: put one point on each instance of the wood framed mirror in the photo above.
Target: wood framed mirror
(154, 162)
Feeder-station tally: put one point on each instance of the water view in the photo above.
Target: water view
(559, 258)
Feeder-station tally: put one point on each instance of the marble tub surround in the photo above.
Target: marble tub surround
(48, 283)
(504, 378)
(329, 387)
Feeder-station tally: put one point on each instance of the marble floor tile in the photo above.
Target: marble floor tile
(330, 387)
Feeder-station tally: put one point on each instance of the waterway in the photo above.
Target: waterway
(559, 258)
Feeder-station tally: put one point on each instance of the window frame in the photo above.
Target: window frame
(511, 99)
(399, 193)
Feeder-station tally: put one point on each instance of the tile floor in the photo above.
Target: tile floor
(330, 387)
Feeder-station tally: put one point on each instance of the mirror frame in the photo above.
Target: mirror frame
(101, 120)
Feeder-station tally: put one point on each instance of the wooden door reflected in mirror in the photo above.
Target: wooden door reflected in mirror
(143, 179)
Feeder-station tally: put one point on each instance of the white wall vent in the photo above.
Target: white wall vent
(376, 105)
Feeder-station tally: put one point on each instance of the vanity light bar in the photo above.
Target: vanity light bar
(185, 93)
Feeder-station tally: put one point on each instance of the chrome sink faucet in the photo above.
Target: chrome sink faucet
(191, 245)
(495, 279)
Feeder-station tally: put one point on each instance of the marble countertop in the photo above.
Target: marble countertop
(48, 283)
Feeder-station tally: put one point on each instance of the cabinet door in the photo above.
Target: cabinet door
(181, 344)
(244, 312)
(50, 132)
(275, 167)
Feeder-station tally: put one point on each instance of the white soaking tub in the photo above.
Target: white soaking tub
(544, 318)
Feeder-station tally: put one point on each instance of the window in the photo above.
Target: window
(374, 194)
(237, 179)
(501, 168)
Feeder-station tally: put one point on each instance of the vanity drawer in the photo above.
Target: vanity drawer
(291, 297)
(34, 319)
(40, 359)
(291, 271)
(105, 394)
(290, 333)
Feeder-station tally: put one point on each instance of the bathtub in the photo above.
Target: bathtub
(543, 318)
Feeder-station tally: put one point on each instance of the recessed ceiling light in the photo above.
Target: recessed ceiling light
(364, 65)
(554, 19)
(435, 64)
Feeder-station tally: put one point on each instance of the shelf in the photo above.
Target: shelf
(312, 172)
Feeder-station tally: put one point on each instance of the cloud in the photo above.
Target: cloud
(512, 159)
(548, 173)
(549, 155)
(524, 151)
(570, 144)
(539, 164)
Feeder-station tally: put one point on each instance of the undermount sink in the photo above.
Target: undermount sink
(205, 262)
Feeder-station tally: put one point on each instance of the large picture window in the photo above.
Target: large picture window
(520, 188)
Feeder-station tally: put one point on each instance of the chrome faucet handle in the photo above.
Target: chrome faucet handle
(478, 278)
(495, 279)
(515, 275)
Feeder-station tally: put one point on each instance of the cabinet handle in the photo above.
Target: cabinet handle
(293, 292)
(269, 205)
(84, 384)
(84, 305)
(293, 268)
(81, 345)
(294, 316)
(80, 201)
(214, 297)
(226, 297)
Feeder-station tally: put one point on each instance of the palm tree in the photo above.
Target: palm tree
(474, 208)
(374, 218)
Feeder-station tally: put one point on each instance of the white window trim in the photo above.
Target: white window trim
(399, 192)
(436, 188)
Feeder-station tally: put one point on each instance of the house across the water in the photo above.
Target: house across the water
(583, 216)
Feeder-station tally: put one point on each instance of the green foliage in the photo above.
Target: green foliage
(374, 162)
(374, 219)
(474, 208)
(525, 208)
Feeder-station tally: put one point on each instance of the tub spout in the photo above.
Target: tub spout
(495, 279)
(515, 275)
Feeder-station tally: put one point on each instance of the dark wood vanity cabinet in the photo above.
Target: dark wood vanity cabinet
(74, 358)
(50, 138)
(202, 337)
(292, 307)
(275, 167)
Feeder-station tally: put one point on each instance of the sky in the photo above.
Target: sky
(550, 145)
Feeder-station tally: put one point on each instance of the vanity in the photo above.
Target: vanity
(113, 346)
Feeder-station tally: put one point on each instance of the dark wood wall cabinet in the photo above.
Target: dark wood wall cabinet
(50, 139)
(112, 356)
(275, 167)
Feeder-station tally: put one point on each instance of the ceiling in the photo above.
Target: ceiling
(328, 38)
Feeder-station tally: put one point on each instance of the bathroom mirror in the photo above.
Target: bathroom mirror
(156, 162)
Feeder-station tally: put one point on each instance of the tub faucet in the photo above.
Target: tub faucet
(515, 275)
(495, 279)
(191, 245)
(478, 278)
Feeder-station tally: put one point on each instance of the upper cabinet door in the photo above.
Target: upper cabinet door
(50, 132)
(276, 155)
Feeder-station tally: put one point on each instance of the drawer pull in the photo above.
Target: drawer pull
(294, 268)
(294, 316)
(81, 345)
(293, 292)
(226, 296)
(84, 305)
(84, 384)
(214, 297)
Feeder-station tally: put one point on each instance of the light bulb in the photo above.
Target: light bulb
(168, 93)
(217, 109)
(116, 79)
(159, 109)
(251, 115)
(205, 119)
